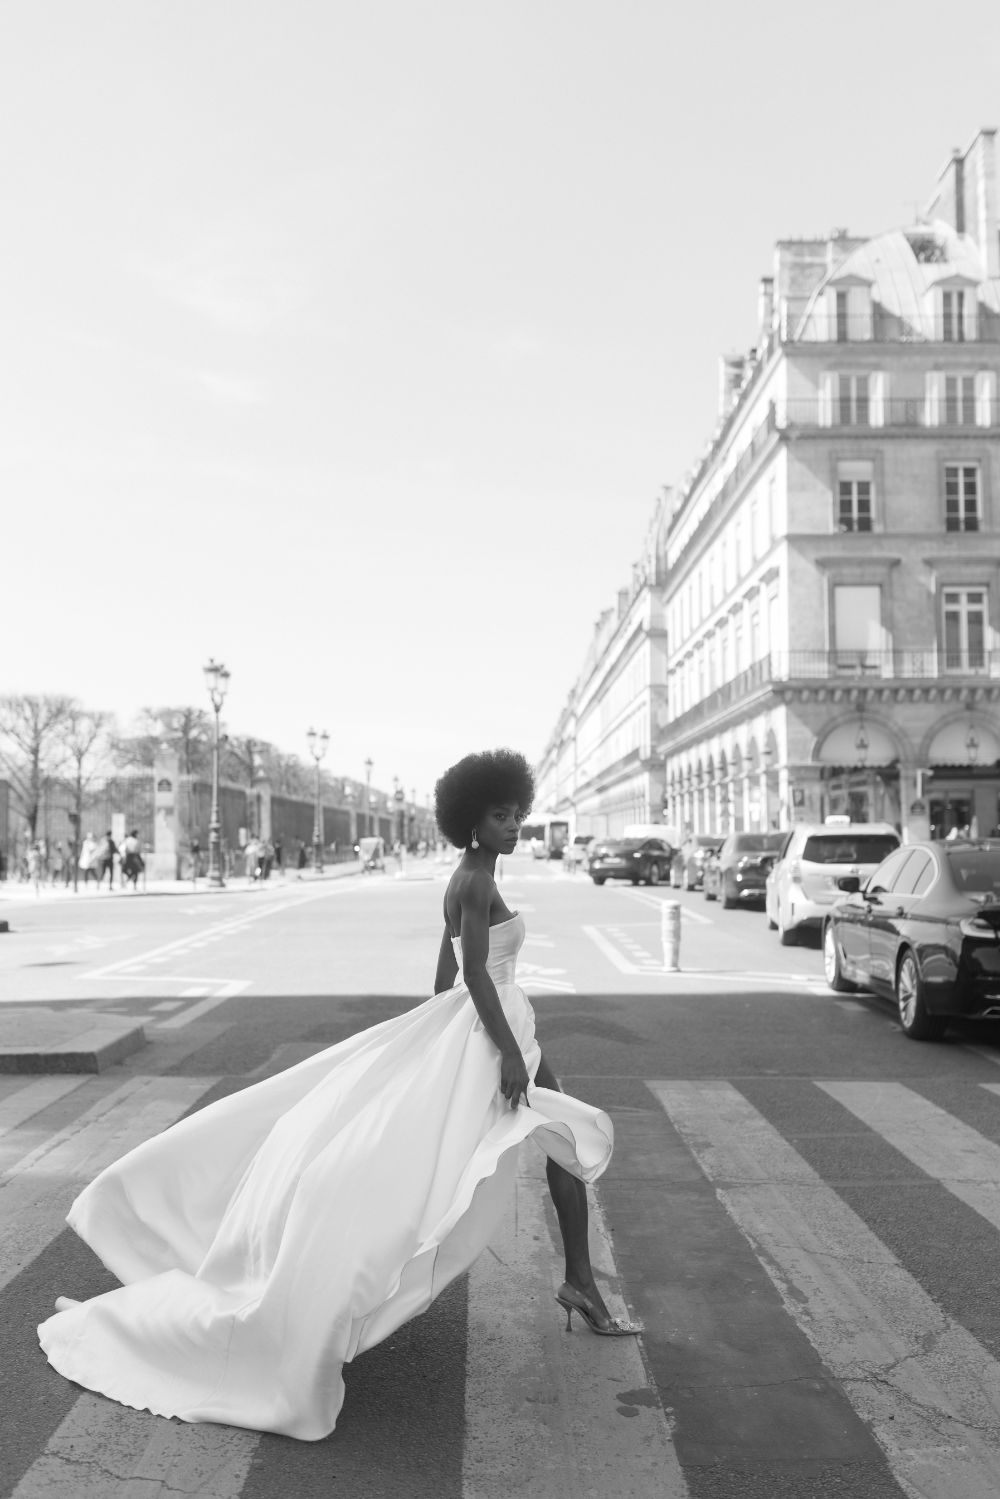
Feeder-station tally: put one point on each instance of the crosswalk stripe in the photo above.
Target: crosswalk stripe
(40, 1186)
(101, 1452)
(959, 1157)
(17, 1107)
(538, 1398)
(926, 1388)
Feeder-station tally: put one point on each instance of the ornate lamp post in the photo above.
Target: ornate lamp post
(217, 682)
(368, 797)
(317, 748)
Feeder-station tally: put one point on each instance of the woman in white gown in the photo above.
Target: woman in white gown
(266, 1240)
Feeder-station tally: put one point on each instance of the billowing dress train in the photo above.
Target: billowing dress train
(266, 1240)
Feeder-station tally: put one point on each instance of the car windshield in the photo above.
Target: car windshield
(849, 848)
(759, 843)
(976, 871)
(707, 842)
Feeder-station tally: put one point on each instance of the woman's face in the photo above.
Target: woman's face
(498, 828)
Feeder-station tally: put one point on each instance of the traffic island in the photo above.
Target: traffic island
(34, 1039)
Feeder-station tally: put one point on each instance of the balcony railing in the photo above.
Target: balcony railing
(880, 326)
(843, 667)
(873, 415)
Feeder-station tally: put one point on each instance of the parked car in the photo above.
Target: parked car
(576, 854)
(737, 872)
(688, 865)
(802, 886)
(924, 931)
(635, 859)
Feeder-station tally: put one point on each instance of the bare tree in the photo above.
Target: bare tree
(185, 731)
(84, 735)
(242, 760)
(30, 747)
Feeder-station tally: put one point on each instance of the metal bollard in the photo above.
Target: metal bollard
(670, 927)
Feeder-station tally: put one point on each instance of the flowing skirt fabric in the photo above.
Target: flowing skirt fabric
(266, 1240)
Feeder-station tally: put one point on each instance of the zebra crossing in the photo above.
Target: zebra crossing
(787, 1243)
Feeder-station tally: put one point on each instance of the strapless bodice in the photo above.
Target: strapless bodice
(506, 939)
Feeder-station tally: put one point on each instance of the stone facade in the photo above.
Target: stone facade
(832, 570)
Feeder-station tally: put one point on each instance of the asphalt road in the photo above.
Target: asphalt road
(802, 1208)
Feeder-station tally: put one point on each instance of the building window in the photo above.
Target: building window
(961, 497)
(843, 324)
(960, 400)
(853, 409)
(855, 496)
(964, 629)
(953, 316)
(857, 625)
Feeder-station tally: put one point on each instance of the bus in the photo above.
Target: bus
(546, 834)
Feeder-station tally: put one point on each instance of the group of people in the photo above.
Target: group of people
(45, 864)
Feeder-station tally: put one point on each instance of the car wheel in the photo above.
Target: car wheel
(653, 877)
(729, 900)
(708, 894)
(598, 879)
(832, 965)
(911, 1002)
(788, 936)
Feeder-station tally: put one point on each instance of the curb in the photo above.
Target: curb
(104, 1044)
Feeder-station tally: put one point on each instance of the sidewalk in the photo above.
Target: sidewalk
(37, 1039)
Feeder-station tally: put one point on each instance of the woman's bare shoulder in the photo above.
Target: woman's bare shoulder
(468, 889)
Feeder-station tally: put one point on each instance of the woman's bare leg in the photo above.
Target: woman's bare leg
(569, 1197)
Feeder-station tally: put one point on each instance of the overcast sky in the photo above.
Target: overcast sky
(352, 343)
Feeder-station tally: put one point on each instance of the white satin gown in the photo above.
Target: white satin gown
(268, 1239)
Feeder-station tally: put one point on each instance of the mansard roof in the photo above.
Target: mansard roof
(901, 267)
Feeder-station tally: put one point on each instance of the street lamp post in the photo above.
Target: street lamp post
(368, 796)
(317, 748)
(217, 682)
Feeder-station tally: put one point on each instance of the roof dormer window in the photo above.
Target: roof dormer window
(955, 310)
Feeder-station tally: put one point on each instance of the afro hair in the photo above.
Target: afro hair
(477, 782)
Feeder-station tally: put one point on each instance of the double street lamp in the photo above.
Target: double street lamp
(317, 748)
(217, 682)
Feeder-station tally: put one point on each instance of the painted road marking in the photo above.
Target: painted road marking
(97, 1453)
(29, 1100)
(229, 988)
(687, 914)
(959, 1157)
(43, 1183)
(929, 1392)
(538, 1414)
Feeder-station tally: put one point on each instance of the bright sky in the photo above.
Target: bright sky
(352, 343)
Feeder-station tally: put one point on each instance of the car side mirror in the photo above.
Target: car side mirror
(849, 883)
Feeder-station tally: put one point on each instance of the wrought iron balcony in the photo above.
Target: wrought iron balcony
(843, 667)
(870, 414)
(981, 325)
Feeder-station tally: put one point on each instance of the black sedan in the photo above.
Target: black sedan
(737, 873)
(925, 932)
(635, 859)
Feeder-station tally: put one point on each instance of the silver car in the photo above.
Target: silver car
(802, 885)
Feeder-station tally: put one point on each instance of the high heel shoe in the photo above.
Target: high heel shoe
(572, 1300)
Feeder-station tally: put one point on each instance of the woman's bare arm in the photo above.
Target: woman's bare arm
(447, 969)
(475, 904)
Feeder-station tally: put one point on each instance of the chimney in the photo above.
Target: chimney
(981, 189)
(765, 308)
(731, 368)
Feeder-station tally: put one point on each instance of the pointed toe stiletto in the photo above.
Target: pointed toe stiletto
(572, 1301)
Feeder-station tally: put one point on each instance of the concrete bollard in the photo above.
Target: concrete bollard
(670, 927)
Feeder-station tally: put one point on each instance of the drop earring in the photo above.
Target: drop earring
(475, 840)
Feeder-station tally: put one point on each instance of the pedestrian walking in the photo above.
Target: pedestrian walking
(270, 1237)
(132, 862)
(57, 864)
(105, 860)
(36, 864)
(300, 862)
(88, 859)
(279, 855)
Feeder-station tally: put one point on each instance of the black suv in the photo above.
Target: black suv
(635, 859)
